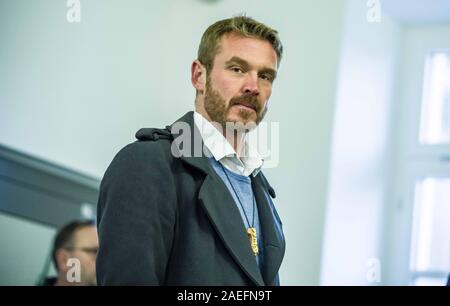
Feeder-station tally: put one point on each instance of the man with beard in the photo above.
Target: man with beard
(170, 214)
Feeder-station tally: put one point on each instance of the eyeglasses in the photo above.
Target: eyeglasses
(90, 250)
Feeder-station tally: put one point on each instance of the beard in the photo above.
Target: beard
(218, 110)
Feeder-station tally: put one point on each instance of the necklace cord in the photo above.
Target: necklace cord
(240, 202)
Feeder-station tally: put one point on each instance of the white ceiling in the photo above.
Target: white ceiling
(417, 11)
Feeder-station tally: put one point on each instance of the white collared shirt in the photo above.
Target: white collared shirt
(222, 151)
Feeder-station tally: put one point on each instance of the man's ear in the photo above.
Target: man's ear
(61, 259)
(198, 76)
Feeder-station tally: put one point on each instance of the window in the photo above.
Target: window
(429, 176)
(435, 115)
(430, 245)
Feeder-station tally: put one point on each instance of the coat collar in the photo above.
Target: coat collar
(250, 161)
(225, 218)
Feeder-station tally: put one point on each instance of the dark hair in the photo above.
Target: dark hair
(65, 235)
(242, 25)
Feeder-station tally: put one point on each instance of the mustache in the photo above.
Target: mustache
(249, 100)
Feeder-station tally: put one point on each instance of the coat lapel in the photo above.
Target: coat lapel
(218, 203)
(224, 215)
(274, 245)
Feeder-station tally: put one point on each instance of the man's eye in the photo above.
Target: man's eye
(237, 69)
(266, 77)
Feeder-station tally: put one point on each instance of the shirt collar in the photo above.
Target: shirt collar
(250, 161)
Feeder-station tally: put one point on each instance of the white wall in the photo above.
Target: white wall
(418, 41)
(360, 157)
(75, 94)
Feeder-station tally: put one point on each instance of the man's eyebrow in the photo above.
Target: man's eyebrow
(270, 71)
(237, 60)
(244, 63)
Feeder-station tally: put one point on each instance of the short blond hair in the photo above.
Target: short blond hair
(241, 25)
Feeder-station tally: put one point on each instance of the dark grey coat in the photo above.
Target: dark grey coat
(165, 220)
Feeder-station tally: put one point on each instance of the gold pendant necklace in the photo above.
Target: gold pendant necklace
(251, 230)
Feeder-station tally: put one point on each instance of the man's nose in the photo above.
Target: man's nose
(251, 85)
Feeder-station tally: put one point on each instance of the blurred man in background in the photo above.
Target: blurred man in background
(74, 253)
